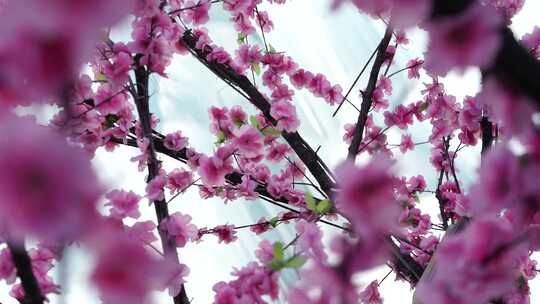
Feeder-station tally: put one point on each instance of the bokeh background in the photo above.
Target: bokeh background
(335, 43)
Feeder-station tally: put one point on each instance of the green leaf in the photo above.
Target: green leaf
(324, 206)
(275, 265)
(424, 106)
(278, 252)
(241, 38)
(238, 122)
(101, 77)
(274, 221)
(296, 262)
(271, 49)
(220, 137)
(256, 68)
(310, 202)
(269, 131)
(416, 198)
(254, 122)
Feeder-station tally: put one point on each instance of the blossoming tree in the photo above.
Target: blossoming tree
(477, 250)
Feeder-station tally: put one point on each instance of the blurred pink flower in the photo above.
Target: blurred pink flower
(47, 188)
(472, 38)
(123, 204)
(179, 226)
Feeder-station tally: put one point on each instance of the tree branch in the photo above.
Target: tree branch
(368, 94)
(162, 211)
(23, 264)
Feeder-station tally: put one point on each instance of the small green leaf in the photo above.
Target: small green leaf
(241, 38)
(278, 252)
(274, 221)
(275, 265)
(238, 122)
(310, 202)
(269, 131)
(296, 262)
(424, 106)
(220, 137)
(256, 68)
(324, 206)
(416, 198)
(101, 77)
(271, 49)
(254, 122)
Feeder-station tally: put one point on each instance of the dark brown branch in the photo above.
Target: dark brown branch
(23, 264)
(487, 134)
(355, 81)
(368, 94)
(162, 212)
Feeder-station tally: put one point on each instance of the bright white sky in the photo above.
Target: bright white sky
(336, 44)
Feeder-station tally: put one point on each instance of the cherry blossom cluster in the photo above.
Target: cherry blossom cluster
(478, 250)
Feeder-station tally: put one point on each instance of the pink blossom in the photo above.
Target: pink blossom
(213, 169)
(313, 287)
(532, 41)
(469, 39)
(282, 92)
(265, 252)
(277, 152)
(175, 141)
(406, 143)
(507, 106)
(248, 141)
(366, 195)
(319, 85)
(247, 188)
(470, 115)
(197, 15)
(247, 55)
(301, 78)
(310, 239)
(285, 114)
(225, 233)
(142, 232)
(416, 183)
(261, 227)
(264, 21)
(180, 228)
(178, 180)
(155, 188)
(402, 117)
(414, 66)
(7, 268)
(251, 284)
(117, 71)
(177, 274)
(474, 266)
(125, 272)
(371, 295)
(334, 95)
(499, 182)
(51, 194)
(123, 204)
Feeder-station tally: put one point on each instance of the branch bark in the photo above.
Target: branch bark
(23, 264)
(162, 211)
(368, 94)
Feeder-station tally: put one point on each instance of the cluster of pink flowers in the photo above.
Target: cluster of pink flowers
(49, 192)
